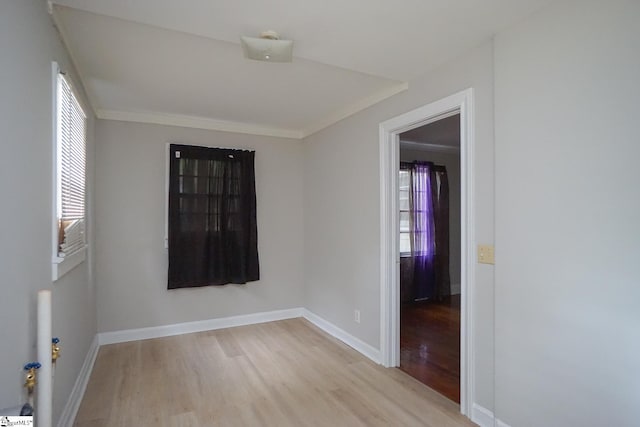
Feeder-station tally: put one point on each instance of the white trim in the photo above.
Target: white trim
(113, 337)
(250, 128)
(74, 64)
(352, 109)
(70, 410)
(61, 266)
(389, 245)
(353, 342)
(456, 289)
(467, 250)
(197, 123)
(485, 418)
(482, 416)
(167, 167)
(14, 411)
(389, 252)
(424, 146)
(55, 70)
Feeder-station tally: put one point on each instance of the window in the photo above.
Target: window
(212, 228)
(419, 191)
(405, 212)
(70, 179)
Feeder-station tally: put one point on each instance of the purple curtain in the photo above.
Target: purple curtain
(422, 231)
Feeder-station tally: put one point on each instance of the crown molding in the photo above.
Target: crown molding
(88, 96)
(249, 128)
(197, 123)
(354, 108)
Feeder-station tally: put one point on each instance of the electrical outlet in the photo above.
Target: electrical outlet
(356, 316)
(486, 254)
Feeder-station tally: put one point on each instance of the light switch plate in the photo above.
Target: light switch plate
(486, 254)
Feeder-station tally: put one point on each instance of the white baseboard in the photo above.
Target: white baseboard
(482, 416)
(70, 410)
(197, 326)
(485, 418)
(456, 289)
(11, 412)
(357, 344)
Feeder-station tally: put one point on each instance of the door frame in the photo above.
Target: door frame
(390, 130)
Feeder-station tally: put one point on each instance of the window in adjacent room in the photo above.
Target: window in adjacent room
(212, 229)
(70, 178)
(405, 212)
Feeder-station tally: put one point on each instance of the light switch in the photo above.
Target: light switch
(486, 254)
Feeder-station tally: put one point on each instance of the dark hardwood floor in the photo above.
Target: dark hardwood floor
(430, 344)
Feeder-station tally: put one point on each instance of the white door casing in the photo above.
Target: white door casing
(461, 102)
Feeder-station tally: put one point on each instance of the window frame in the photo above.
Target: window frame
(400, 210)
(63, 265)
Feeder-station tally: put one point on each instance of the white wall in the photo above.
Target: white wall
(28, 44)
(342, 208)
(131, 262)
(452, 162)
(567, 217)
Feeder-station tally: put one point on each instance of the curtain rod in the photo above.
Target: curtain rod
(422, 162)
(213, 148)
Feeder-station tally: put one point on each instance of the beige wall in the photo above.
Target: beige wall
(342, 208)
(131, 262)
(567, 217)
(28, 44)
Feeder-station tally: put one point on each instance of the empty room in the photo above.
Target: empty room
(343, 213)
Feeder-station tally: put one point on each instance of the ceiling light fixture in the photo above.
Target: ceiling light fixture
(268, 47)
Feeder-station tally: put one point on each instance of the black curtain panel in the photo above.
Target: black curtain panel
(213, 235)
(440, 195)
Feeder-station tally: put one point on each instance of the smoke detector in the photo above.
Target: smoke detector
(268, 47)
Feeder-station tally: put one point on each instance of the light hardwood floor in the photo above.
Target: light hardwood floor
(285, 373)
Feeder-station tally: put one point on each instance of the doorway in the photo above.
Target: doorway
(460, 103)
(429, 241)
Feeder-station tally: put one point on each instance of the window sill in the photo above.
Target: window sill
(62, 266)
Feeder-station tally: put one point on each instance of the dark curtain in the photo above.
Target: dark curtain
(440, 198)
(422, 231)
(213, 236)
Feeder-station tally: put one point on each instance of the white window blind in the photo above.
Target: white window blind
(71, 161)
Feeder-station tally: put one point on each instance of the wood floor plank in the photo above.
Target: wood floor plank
(285, 373)
(430, 344)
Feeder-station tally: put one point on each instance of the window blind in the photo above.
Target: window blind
(71, 142)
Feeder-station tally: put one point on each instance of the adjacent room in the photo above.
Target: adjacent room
(429, 240)
(363, 212)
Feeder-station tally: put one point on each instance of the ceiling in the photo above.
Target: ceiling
(443, 135)
(180, 63)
